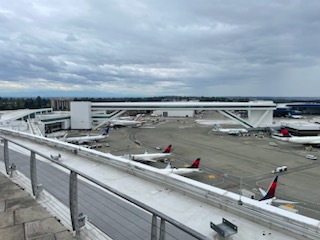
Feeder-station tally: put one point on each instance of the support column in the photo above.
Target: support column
(36, 188)
(6, 155)
(154, 227)
(77, 220)
(162, 230)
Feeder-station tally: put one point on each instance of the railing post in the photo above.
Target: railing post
(162, 230)
(36, 188)
(6, 155)
(77, 220)
(154, 227)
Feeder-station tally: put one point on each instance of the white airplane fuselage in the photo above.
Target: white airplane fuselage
(233, 130)
(305, 140)
(299, 140)
(182, 171)
(85, 139)
(124, 123)
(149, 157)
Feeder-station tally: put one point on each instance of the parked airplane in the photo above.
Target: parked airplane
(151, 157)
(125, 122)
(205, 122)
(269, 197)
(194, 168)
(286, 136)
(231, 131)
(86, 139)
(295, 116)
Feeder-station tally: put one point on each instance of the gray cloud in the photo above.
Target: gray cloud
(143, 48)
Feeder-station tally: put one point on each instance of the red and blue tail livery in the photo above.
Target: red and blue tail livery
(272, 190)
(196, 163)
(269, 197)
(168, 149)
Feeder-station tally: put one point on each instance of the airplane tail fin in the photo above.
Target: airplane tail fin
(285, 132)
(106, 132)
(169, 166)
(64, 137)
(138, 116)
(216, 127)
(196, 163)
(272, 190)
(168, 149)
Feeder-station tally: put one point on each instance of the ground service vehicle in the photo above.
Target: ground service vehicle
(312, 157)
(280, 169)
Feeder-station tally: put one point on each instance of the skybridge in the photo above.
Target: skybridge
(260, 113)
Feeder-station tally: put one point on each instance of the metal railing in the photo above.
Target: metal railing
(78, 219)
(293, 225)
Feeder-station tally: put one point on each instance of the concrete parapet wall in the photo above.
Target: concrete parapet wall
(295, 225)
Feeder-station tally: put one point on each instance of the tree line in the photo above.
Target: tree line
(22, 103)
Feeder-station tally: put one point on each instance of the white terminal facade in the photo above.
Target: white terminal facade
(91, 115)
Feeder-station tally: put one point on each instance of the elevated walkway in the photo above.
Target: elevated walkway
(234, 117)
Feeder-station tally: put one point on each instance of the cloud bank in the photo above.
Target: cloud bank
(152, 48)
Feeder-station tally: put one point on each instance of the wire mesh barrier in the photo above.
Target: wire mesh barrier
(92, 202)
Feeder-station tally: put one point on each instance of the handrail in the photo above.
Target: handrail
(251, 209)
(151, 210)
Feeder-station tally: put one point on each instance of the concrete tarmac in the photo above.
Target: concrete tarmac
(229, 162)
(23, 218)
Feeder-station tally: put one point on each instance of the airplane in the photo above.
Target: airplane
(269, 197)
(126, 118)
(194, 168)
(151, 157)
(286, 136)
(125, 122)
(86, 139)
(231, 131)
(205, 122)
(297, 116)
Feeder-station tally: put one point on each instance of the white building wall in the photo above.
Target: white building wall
(181, 113)
(66, 124)
(80, 115)
(175, 113)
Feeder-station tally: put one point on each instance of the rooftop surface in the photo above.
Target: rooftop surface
(22, 217)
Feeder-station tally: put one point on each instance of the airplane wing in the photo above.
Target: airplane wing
(149, 160)
(315, 141)
(280, 201)
(263, 192)
(144, 159)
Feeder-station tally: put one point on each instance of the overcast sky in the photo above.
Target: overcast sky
(109, 48)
